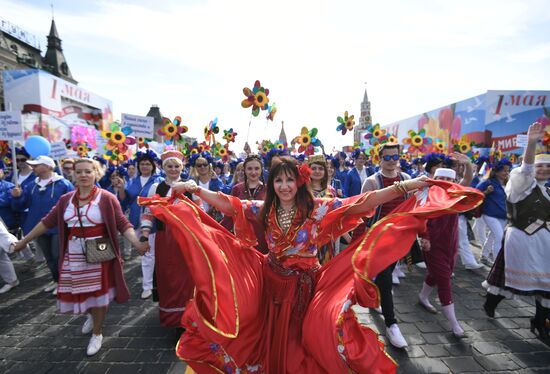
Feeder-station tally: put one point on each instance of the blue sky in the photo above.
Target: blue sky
(193, 58)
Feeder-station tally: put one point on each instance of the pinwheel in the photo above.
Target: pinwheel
(392, 139)
(440, 146)
(279, 145)
(172, 131)
(406, 157)
(210, 130)
(418, 141)
(256, 98)
(271, 111)
(265, 146)
(229, 135)
(308, 141)
(118, 141)
(345, 124)
(374, 153)
(375, 135)
(83, 149)
(203, 147)
(464, 146)
(143, 142)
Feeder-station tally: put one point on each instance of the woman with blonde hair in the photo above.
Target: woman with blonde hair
(203, 174)
(86, 214)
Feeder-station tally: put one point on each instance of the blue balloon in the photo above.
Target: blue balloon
(37, 146)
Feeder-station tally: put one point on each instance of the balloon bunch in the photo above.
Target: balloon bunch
(256, 98)
(308, 141)
(172, 131)
(345, 124)
(118, 142)
(418, 142)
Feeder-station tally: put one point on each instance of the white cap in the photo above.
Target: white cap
(44, 160)
(543, 158)
(446, 173)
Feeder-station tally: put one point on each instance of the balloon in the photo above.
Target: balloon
(37, 146)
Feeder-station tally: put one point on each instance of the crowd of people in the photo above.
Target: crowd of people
(259, 259)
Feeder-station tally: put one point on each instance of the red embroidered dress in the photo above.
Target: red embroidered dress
(83, 285)
(282, 312)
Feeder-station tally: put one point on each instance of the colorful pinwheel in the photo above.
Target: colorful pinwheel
(210, 130)
(172, 131)
(279, 145)
(375, 135)
(308, 141)
(345, 124)
(118, 141)
(265, 146)
(143, 142)
(464, 146)
(229, 135)
(256, 98)
(83, 149)
(418, 141)
(440, 146)
(271, 111)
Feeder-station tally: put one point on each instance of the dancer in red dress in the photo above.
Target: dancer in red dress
(282, 312)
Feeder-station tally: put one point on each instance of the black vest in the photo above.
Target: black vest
(530, 214)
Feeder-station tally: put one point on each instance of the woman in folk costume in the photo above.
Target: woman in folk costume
(140, 186)
(282, 312)
(80, 216)
(203, 174)
(522, 267)
(172, 282)
(252, 188)
(440, 246)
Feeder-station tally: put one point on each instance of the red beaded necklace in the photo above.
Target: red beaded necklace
(88, 197)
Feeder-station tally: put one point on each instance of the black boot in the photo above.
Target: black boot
(491, 302)
(539, 323)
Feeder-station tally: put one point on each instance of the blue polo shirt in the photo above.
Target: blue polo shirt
(494, 204)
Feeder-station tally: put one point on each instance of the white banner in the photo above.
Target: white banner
(11, 127)
(58, 151)
(521, 140)
(141, 126)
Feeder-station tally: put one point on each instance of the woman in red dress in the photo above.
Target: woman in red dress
(282, 312)
(88, 213)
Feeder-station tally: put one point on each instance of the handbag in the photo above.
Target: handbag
(96, 250)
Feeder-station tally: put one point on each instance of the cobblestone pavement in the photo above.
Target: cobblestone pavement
(35, 339)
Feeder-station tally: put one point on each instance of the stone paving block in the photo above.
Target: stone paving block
(423, 365)
(429, 327)
(497, 362)
(408, 328)
(27, 354)
(131, 331)
(66, 367)
(149, 355)
(121, 355)
(95, 368)
(30, 367)
(115, 342)
(518, 346)
(459, 349)
(486, 348)
(435, 350)
(532, 360)
(462, 364)
(439, 338)
(156, 368)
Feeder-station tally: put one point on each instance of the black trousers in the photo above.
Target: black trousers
(384, 283)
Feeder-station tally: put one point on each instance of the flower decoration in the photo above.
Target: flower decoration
(229, 135)
(375, 135)
(304, 175)
(406, 157)
(279, 145)
(147, 155)
(374, 153)
(307, 141)
(210, 130)
(83, 149)
(143, 142)
(392, 139)
(120, 170)
(265, 146)
(172, 131)
(256, 98)
(440, 146)
(118, 142)
(271, 111)
(345, 124)
(417, 141)
(464, 146)
(203, 147)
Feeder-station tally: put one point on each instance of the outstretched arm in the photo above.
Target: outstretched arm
(212, 198)
(389, 193)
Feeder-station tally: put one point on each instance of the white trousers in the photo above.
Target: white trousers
(479, 229)
(148, 264)
(464, 249)
(494, 239)
(7, 271)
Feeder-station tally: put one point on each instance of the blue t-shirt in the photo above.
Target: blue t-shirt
(494, 204)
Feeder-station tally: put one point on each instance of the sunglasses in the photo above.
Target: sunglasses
(392, 157)
(201, 165)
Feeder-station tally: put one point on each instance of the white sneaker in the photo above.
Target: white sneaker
(94, 345)
(54, 292)
(395, 279)
(50, 287)
(146, 294)
(8, 286)
(421, 265)
(88, 325)
(473, 266)
(395, 337)
(399, 272)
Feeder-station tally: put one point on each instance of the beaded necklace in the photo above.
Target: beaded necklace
(285, 218)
